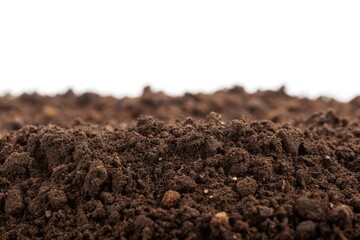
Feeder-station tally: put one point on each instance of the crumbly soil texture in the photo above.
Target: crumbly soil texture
(270, 166)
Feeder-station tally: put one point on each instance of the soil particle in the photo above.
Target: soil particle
(341, 215)
(170, 198)
(95, 179)
(184, 184)
(246, 186)
(219, 225)
(306, 230)
(16, 166)
(57, 198)
(265, 211)
(310, 209)
(14, 202)
(50, 112)
(55, 149)
(290, 140)
(48, 213)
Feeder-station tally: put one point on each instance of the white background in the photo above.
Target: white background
(116, 47)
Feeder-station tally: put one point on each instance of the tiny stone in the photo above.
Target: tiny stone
(219, 225)
(234, 178)
(50, 112)
(220, 218)
(211, 196)
(48, 213)
(206, 191)
(170, 198)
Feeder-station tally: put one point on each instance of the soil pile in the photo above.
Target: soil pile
(234, 103)
(205, 178)
(195, 180)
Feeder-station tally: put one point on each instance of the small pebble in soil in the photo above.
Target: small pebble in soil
(219, 224)
(50, 112)
(170, 198)
(48, 213)
(220, 217)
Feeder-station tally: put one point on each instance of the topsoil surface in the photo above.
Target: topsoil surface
(228, 165)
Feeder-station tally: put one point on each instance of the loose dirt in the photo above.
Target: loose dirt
(271, 167)
(67, 109)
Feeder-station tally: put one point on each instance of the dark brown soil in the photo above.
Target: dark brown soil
(272, 167)
(67, 109)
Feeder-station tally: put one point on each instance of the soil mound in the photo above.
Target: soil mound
(235, 103)
(192, 179)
